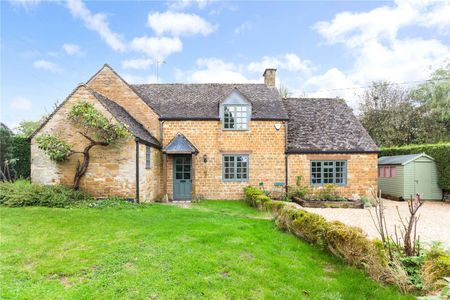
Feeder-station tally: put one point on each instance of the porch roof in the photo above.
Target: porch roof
(180, 145)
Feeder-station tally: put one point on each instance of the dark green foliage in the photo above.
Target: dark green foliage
(412, 265)
(440, 153)
(6, 137)
(24, 193)
(21, 152)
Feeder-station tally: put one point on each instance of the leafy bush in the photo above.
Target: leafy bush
(251, 193)
(274, 206)
(440, 153)
(310, 227)
(436, 265)
(24, 193)
(327, 192)
(21, 151)
(298, 190)
(412, 265)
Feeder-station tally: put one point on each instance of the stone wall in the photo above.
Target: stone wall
(109, 84)
(262, 142)
(111, 170)
(362, 171)
(150, 178)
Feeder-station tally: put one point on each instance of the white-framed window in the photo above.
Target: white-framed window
(235, 167)
(235, 117)
(235, 112)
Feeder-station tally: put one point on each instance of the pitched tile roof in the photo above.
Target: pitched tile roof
(201, 101)
(180, 144)
(324, 125)
(124, 117)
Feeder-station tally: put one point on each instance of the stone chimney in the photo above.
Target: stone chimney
(269, 77)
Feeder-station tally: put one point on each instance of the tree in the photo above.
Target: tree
(392, 117)
(27, 128)
(284, 91)
(94, 127)
(6, 137)
(434, 95)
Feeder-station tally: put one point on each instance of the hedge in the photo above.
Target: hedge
(351, 244)
(440, 153)
(21, 150)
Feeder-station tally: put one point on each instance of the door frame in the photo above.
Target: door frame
(174, 176)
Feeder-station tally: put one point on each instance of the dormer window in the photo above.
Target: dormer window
(235, 112)
(235, 117)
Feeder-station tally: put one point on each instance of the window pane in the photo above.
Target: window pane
(393, 171)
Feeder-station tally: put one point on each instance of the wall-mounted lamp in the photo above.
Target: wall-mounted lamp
(277, 126)
(205, 158)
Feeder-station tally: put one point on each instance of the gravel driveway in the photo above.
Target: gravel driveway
(433, 225)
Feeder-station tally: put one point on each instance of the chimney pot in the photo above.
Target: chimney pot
(269, 77)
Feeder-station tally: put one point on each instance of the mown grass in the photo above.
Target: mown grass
(213, 250)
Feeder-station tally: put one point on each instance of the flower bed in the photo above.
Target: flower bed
(328, 203)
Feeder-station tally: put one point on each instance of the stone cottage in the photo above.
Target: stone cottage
(210, 141)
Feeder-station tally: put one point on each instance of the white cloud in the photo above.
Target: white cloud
(98, 23)
(142, 63)
(20, 103)
(136, 79)
(213, 70)
(183, 4)
(72, 49)
(47, 66)
(179, 24)
(27, 4)
(246, 26)
(157, 47)
(378, 53)
(288, 61)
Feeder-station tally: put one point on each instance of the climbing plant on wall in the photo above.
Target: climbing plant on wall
(93, 126)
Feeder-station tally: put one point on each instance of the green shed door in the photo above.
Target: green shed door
(422, 179)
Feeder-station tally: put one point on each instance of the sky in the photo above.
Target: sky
(320, 49)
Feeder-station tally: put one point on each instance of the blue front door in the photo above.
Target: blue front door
(182, 180)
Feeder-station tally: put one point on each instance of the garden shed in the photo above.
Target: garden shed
(403, 176)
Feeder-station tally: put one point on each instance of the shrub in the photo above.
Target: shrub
(436, 265)
(310, 227)
(440, 153)
(274, 206)
(24, 193)
(285, 216)
(298, 190)
(251, 193)
(327, 192)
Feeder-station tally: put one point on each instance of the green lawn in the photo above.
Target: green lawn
(214, 250)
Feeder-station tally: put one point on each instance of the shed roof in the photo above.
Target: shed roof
(180, 145)
(400, 159)
(325, 125)
(201, 101)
